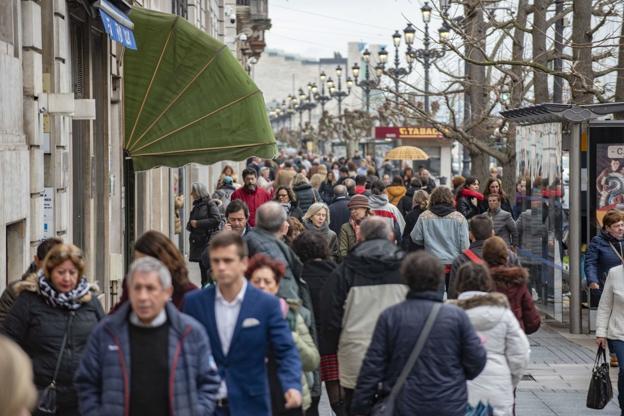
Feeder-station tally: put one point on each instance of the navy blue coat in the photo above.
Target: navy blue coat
(339, 213)
(600, 257)
(260, 327)
(437, 384)
(103, 378)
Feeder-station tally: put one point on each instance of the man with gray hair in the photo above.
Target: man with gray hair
(338, 210)
(147, 358)
(366, 283)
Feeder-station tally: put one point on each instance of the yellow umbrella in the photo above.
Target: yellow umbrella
(406, 153)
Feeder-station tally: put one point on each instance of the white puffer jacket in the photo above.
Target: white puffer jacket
(507, 350)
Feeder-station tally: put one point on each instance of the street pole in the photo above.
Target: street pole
(558, 61)
(575, 232)
(427, 65)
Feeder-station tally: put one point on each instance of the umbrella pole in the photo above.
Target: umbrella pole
(130, 208)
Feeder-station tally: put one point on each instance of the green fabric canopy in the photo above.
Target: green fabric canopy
(187, 99)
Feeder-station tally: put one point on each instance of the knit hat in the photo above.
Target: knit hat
(358, 201)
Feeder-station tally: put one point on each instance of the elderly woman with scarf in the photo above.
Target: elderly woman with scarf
(317, 219)
(52, 319)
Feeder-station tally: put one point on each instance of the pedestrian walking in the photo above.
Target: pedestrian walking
(441, 230)
(204, 221)
(494, 186)
(361, 287)
(457, 183)
(469, 198)
(451, 354)
(503, 222)
(327, 188)
(420, 201)
(481, 228)
(264, 179)
(224, 192)
(305, 194)
(227, 171)
(610, 322)
(287, 199)
(285, 175)
(265, 274)
(295, 228)
(339, 210)
(243, 324)
(513, 282)
(350, 235)
(317, 219)
(237, 218)
(52, 321)
(381, 206)
(18, 396)
(396, 191)
(406, 204)
(532, 237)
(251, 194)
(506, 344)
(427, 181)
(28, 279)
(157, 245)
(162, 364)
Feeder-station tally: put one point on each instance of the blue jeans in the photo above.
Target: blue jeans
(617, 347)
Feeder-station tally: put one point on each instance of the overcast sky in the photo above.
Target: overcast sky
(317, 28)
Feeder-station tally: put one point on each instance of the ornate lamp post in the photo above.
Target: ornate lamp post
(310, 104)
(321, 98)
(427, 55)
(397, 71)
(338, 93)
(367, 84)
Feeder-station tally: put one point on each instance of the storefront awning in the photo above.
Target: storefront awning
(187, 98)
(118, 26)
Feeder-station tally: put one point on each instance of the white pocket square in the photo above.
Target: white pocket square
(249, 322)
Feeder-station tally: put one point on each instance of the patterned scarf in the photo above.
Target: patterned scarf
(69, 300)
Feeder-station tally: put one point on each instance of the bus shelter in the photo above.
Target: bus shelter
(570, 171)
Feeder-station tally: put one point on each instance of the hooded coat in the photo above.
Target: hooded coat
(362, 286)
(513, 282)
(380, 206)
(38, 328)
(395, 194)
(507, 350)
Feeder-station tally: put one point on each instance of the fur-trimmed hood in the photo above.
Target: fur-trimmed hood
(485, 310)
(505, 276)
(30, 283)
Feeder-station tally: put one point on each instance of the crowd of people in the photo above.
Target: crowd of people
(316, 274)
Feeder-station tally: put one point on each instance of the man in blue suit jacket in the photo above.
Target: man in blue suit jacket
(243, 324)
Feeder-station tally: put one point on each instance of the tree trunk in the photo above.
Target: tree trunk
(583, 75)
(540, 78)
(517, 54)
(480, 166)
(619, 85)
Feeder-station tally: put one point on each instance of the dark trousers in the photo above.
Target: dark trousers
(348, 398)
(205, 275)
(313, 410)
(617, 347)
(222, 411)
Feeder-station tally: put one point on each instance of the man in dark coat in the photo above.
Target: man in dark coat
(452, 353)
(481, 228)
(338, 210)
(147, 358)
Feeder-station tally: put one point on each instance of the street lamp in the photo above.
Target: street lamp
(367, 84)
(427, 55)
(397, 71)
(338, 93)
(321, 97)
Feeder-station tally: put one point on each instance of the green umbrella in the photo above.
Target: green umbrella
(187, 98)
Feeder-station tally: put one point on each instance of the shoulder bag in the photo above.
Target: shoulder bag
(600, 390)
(47, 399)
(385, 407)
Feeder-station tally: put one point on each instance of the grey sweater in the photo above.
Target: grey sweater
(504, 226)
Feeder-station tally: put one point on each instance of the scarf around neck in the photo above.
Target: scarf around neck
(69, 300)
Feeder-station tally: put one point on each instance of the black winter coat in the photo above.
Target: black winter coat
(209, 219)
(339, 214)
(467, 208)
(39, 329)
(437, 384)
(326, 190)
(315, 273)
(306, 196)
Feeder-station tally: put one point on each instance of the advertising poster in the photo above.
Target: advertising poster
(610, 179)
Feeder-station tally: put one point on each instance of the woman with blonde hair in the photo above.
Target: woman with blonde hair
(18, 397)
(420, 201)
(52, 320)
(317, 219)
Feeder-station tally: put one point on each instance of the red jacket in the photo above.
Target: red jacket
(252, 199)
(512, 281)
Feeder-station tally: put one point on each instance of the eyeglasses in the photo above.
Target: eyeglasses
(282, 195)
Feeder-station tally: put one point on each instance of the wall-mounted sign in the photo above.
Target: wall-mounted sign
(48, 212)
(408, 133)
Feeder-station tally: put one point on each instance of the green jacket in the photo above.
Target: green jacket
(308, 352)
(346, 240)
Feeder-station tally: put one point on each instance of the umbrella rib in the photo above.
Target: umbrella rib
(198, 120)
(177, 97)
(201, 149)
(149, 87)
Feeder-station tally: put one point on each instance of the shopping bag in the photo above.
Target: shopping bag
(600, 390)
(480, 410)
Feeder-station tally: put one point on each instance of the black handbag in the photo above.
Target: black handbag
(47, 399)
(600, 390)
(385, 406)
